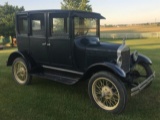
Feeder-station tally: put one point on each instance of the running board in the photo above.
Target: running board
(64, 77)
(57, 78)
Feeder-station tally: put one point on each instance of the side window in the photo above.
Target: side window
(59, 26)
(37, 24)
(22, 25)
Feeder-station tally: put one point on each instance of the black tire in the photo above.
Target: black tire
(141, 72)
(20, 72)
(111, 96)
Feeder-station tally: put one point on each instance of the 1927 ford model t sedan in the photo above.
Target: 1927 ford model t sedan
(64, 46)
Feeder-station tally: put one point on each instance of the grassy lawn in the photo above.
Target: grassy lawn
(48, 100)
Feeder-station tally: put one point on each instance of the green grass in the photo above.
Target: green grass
(48, 100)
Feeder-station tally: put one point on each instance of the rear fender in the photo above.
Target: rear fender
(17, 54)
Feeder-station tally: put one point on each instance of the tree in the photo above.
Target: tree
(7, 19)
(76, 5)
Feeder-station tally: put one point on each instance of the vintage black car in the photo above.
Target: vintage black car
(64, 46)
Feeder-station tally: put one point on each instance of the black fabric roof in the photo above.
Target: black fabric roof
(74, 13)
(87, 15)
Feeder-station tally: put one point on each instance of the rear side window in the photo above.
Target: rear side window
(37, 24)
(22, 24)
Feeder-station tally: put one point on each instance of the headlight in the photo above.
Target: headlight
(135, 56)
(119, 61)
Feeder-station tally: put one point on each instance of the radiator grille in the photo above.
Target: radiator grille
(125, 60)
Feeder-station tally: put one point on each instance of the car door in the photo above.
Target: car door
(38, 41)
(60, 43)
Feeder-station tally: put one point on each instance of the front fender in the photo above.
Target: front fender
(144, 59)
(108, 66)
(141, 59)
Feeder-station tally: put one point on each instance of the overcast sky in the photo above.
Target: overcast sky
(115, 11)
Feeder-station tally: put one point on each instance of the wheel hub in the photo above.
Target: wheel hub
(107, 92)
(22, 71)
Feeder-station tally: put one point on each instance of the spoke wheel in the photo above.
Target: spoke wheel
(107, 93)
(20, 71)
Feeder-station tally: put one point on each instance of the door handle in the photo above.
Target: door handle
(44, 44)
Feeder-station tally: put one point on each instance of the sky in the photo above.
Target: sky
(115, 11)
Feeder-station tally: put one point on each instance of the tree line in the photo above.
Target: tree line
(7, 19)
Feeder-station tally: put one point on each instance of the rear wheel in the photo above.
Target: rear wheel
(107, 92)
(20, 72)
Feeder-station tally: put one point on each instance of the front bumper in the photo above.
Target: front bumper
(141, 86)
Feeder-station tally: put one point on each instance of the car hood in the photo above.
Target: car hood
(102, 52)
(104, 47)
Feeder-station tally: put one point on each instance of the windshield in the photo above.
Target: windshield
(85, 26)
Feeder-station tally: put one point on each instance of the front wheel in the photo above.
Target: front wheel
(140, 72)
(20, 72)
(107, 92)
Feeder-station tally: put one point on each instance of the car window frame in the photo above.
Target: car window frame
(44, 21)
(66, 25)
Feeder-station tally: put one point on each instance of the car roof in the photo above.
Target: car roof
(70, 12)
